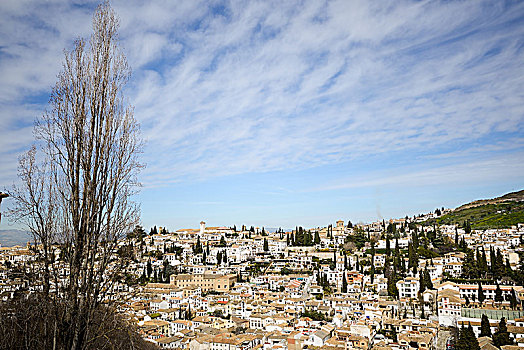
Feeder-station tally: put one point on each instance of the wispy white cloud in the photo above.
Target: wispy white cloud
(493, 170)
(236, 87)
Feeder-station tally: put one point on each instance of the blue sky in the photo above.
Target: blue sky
(294, 113)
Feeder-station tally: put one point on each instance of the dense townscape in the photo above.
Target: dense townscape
(399, 284)
(400, 98)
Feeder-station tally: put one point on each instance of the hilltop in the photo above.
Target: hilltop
(508, 197)
(500, 212)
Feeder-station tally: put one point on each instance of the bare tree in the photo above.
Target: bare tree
(76, 186)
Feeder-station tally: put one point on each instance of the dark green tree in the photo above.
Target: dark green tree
(483, 264)
(317, 238)
(421, 284)
(513, 299)
(500, 269)
(469, 266)
(501, 336)
(472, 339)
(480, 294)
(197, 248)
(149, 269)
(427, 279)
(467, 227)
(392, 287)
(462, 343)
(266, 245)
(498, 294)
(492, 259)
(467, 339)
(485, 328)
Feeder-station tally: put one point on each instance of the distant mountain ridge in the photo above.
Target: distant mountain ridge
(9, 238)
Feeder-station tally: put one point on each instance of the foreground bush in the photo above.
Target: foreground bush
(38, 323)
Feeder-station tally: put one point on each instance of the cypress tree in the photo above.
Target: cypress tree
(344, 283)
(512, 299)
(422, 285)
(499, 265)
(483, 263)
(415, 240)
(392, 287)
(397, 249)
(411, 258)
(427, 279)
(498, 294)
(508, 270)
(501, 336)
(317, 238)
(480, 294)
(462, 342)
(149, 269)
(492, 259)
(467, 228)
(485, 329)
(471, 339)
(188, 312)
(470, 266)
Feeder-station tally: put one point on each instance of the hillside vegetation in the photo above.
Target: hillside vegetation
(501, 212)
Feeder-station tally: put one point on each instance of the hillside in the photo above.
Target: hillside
(509, 197)
(500, 212)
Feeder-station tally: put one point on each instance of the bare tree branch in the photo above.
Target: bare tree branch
(76, 200)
